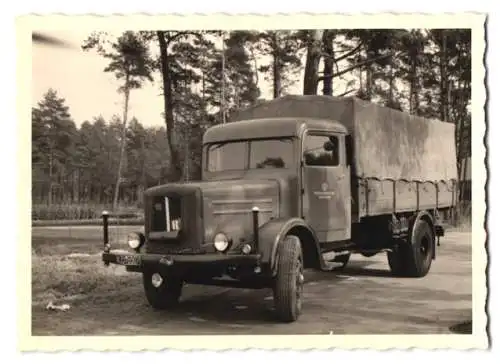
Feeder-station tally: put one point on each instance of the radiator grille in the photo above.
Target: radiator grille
(166, 214)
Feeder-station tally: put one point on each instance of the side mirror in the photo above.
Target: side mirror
(329, 146)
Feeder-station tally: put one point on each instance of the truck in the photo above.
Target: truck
(297, 183)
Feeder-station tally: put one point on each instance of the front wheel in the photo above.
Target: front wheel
(162, 291)
(414, 258)
(289, 280)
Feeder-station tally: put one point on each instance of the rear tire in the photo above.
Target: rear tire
(165, 296)
(289, 280)
(414, 258)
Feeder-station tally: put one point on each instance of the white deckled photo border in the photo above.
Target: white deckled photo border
(475, 21)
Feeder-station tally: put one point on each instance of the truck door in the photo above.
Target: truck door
(326, 197)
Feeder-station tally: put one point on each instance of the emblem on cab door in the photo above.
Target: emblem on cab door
(324, 194)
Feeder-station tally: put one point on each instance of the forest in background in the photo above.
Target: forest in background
(109, 163)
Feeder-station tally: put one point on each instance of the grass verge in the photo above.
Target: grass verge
(60, 278)
(84, 211)
(89, 222)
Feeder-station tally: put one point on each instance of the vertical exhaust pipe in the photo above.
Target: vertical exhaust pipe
(255, 213)
(105, 224)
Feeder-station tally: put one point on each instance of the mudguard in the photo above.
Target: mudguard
(273, 233)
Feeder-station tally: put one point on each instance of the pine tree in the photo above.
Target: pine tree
(53, 136)
(180, 53)
(240, 89)
(131, 64)
(283, 47)
(313, 40)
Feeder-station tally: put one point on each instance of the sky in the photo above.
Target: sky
(78, 77)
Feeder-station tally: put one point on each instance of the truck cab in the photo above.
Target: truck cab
(307, 158)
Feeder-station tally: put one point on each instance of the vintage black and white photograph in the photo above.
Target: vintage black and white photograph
(274, 181)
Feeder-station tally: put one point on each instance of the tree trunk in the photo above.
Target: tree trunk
(312, 62)
(328, 62)
(122, 144)
(460, 126)
(276, 78)
(360, 78)
(256, 68)
(50, 177)
(443, 77)
(142, 185)
(75, 184)
(175, 166)
(276, 66)
(412, 85)
(391, 84)
(223, 85)
(461, 156)
(368, 83)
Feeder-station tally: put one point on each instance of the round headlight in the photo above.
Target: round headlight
(246, 249)
(221, 242)
(134, 240)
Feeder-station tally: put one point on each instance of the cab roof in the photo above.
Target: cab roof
(269, 128)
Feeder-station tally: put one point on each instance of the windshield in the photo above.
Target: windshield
(250, 154)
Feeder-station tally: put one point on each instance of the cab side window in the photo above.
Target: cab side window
(321, 150)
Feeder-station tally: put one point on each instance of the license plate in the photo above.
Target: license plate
(134, 260)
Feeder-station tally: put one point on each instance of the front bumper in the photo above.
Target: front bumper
(137, 262)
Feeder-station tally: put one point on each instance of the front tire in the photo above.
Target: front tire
(166, 295)
(289, 281)
(414, 258)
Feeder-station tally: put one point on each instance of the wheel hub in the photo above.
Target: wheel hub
(424, 246)
(156, 280)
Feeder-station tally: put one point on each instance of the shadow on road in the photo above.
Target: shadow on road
(245, 307)
(366, 272)
(231, 306)
(462, 328)
(362, 268)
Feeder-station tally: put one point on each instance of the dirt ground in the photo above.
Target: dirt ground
(361, 299)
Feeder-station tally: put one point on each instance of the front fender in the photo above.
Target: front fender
(273, 233)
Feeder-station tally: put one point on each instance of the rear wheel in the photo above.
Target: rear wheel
(413, 258)
(289, 281)
(162, 291)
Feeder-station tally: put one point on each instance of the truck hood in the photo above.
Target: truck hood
(227, 206)
(224, 206)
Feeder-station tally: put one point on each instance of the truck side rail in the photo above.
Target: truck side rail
(377, 196)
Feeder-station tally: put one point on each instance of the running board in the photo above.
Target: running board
(330, 256)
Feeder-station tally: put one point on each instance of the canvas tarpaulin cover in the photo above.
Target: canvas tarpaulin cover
(388, 144)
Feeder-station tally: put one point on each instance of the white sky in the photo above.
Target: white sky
(78, 76)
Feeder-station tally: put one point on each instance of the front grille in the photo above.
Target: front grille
(174, 220)
(166, 214)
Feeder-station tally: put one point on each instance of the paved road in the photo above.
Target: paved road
(362, 299)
